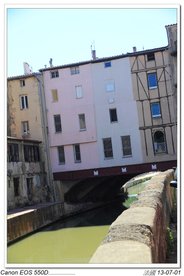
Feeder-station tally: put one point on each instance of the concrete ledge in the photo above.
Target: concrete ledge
(127, 252)
(138, 235)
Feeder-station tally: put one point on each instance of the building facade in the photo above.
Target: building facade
(118, 136)
(27, 120)
(154, 96)
(26, 176)
(89, 131)
(71, 117)
(102, 117)
(111, 116)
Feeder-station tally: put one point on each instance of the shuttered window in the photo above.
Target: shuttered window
(54, 95)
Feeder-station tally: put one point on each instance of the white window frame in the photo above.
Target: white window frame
(23, 102)
(109, 86)
(74, 70)
(22, 83)
(82, 122)
(76, 159)
(78, 91)
(54, 74)
(25, 127)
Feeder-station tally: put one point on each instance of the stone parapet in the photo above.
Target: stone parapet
(138, 235)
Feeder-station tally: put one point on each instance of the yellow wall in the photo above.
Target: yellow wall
(32, 114)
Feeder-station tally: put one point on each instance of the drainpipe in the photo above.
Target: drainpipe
(45, 135)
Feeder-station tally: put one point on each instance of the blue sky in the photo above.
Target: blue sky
(65, 35)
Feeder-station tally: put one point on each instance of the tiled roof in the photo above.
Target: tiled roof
(24, 76)
(171, 25)
(97, 60)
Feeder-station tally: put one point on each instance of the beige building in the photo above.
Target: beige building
(26, 175)
(153, 92)
(26, 121)
(24, 107)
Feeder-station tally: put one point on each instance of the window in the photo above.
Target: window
(54, 74)
(25, 128)
(77, 155)
(29, 181)
(23, 102)
(13, 152)
(113, 115)
(16, 186)
(126, 145)
(82, 122)
(107, 144)
(78, 91)
(31, 153)
(57, 123)
(22, 83)
(107, 64)
(152, 80)
(155, 110)
(159, 142)
(150, 56)
(54, 95)
(109, 86)
(74, 70)
(61, 155)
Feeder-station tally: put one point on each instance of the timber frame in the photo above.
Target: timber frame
(162, 94)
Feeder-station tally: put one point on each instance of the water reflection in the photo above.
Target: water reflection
(73, 240)
(104, 215)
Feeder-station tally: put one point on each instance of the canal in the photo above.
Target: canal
(73, 240)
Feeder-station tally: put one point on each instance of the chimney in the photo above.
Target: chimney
(50, 61)
(93, 53)
(134, 49)
(27, 69)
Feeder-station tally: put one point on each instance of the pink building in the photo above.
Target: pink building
(94, 119)
(87, 105)
(71, 117)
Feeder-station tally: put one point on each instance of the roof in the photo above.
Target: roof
(171, 25)
(97, 60)
(24, 76)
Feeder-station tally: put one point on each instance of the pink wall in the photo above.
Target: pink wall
(68, 106)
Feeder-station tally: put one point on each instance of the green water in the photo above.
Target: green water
(71, 241)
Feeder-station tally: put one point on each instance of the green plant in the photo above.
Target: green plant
(170, 240)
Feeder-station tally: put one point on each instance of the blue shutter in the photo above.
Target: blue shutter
(152, 81)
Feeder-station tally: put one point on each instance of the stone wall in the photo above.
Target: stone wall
(138, 235)
(28, 221)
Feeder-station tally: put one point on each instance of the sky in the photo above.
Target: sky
(34, 35)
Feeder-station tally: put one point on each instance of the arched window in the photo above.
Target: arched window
(159, 142)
